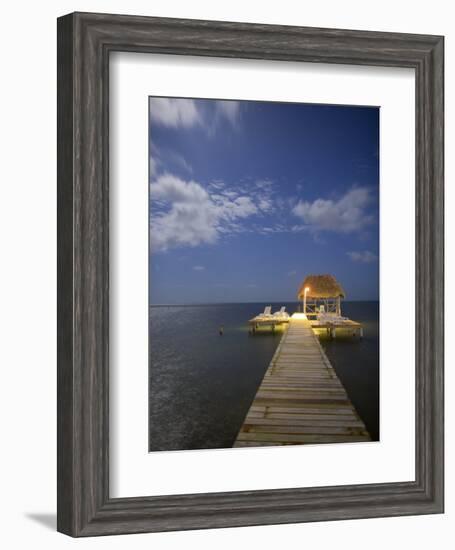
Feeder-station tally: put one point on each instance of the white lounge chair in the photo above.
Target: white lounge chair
(281, 313)
(330, 318)
(340, 320)
(267, 312)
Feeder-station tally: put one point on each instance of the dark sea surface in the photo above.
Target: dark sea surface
(202, 384)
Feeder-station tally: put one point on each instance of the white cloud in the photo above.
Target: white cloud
(265, 204)
(218, 185)
(180, 161)
(159, 158)
(264, 184)
(188, 216)
(298, 228)
(229, 110)
(153, 165)
(198, 268)
(292, 273)
(173, 189)
(365, 257)
(182, 112)
(241, 207)
(154, 160)
(184, 224)
(346, 215)
(174, 112)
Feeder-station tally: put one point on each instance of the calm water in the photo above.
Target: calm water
(202, 384)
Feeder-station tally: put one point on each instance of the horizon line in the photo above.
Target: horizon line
(253, 302)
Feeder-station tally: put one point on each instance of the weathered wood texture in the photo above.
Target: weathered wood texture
(85, 42)
(300, 400)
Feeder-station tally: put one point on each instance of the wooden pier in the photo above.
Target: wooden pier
(300, 400)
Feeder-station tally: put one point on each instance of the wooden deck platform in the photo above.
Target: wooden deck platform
(346, 327)
(271, 322)
(300, 399)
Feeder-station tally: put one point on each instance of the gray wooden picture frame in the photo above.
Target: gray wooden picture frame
(84, 43)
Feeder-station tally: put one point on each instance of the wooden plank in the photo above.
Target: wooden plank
(302, 438)
(309, 376)
(308, 397)
(303, 429)
(288, 420)
(328, 408)
(305, 385)
(326, 411)
(295, 417)
(302, 380)
(329, 388)
(254, 444)
(303, 388)
(299, 367)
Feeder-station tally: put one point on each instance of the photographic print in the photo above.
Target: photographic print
(263, 274)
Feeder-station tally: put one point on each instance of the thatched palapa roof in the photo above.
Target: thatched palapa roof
(321, 286)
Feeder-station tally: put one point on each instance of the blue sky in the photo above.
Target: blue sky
(247, 198)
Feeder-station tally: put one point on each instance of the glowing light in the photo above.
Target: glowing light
(299, 316)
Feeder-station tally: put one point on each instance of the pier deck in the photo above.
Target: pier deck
(300, 399)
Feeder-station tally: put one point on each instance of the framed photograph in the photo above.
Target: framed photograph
(250, 283)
